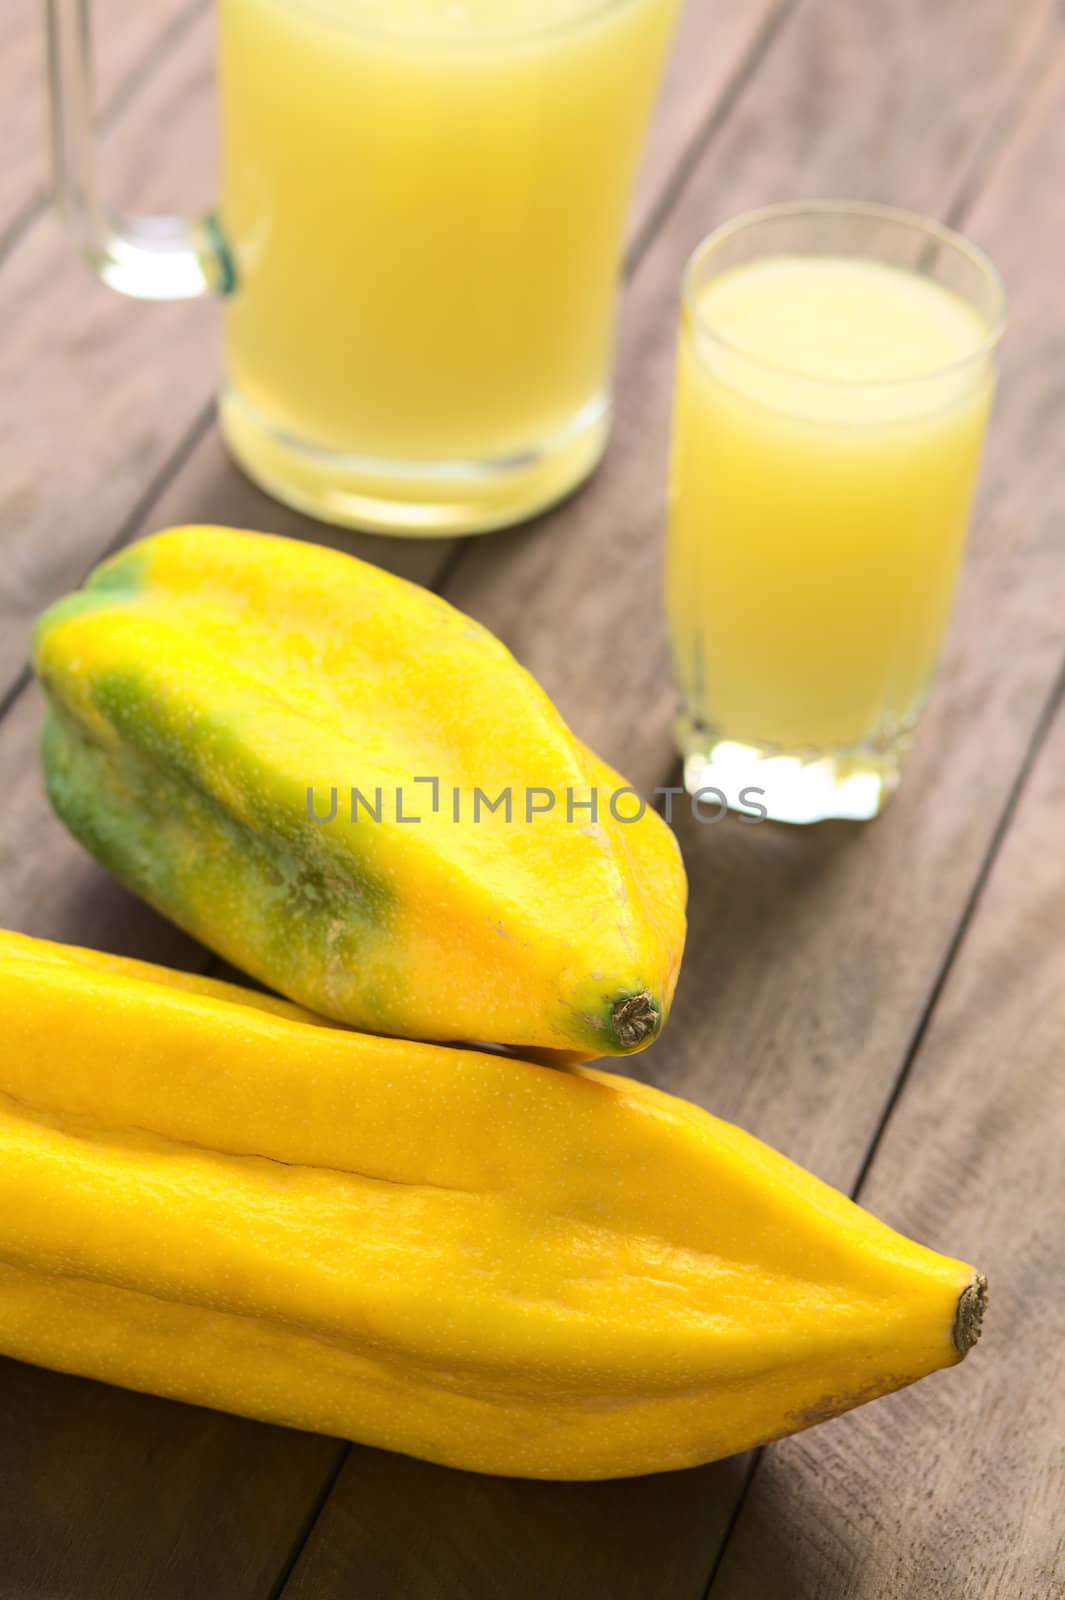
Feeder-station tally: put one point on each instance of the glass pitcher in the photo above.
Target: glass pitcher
(418, 243)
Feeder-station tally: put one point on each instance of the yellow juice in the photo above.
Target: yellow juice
(829, 419)
(424, 202)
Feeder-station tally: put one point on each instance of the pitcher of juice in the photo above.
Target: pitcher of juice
(418, 243)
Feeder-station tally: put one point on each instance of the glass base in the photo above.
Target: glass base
(852, 782)
(417, 499)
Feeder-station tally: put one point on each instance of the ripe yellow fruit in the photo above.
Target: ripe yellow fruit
(243, 729)
(492, 1264)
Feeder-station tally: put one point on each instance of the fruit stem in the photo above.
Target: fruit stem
(969, 1317)
(635, 1020)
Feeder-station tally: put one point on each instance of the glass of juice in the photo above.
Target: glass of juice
(418, 242)
(835, 375)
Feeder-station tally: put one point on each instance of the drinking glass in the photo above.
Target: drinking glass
(836, 367)
(418, 242)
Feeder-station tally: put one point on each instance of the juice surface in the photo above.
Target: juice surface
(424, 201)
(829, 418)
(433, 20)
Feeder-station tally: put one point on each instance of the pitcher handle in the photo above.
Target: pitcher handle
(150, 258)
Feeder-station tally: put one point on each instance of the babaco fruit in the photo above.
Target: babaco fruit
(355, 793)
(512, 1268)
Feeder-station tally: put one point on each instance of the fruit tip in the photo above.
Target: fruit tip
(635, 1020)
(969, 1316)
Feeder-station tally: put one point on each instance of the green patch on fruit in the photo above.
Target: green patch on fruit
(126, 571)
(273, 894)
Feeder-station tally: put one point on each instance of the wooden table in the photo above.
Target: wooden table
(884, 1003)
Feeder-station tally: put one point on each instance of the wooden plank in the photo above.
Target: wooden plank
(404, 1528)
(101, 400)
(718, 43)
(130, 41)
(81, 1514)
(954, 1490)
(812, 953)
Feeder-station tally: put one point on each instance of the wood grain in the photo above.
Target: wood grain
(82, 1514)
(402, 1528)
(102, 400)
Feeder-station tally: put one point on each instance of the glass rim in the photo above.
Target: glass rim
(390, 33)
(874, 211)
